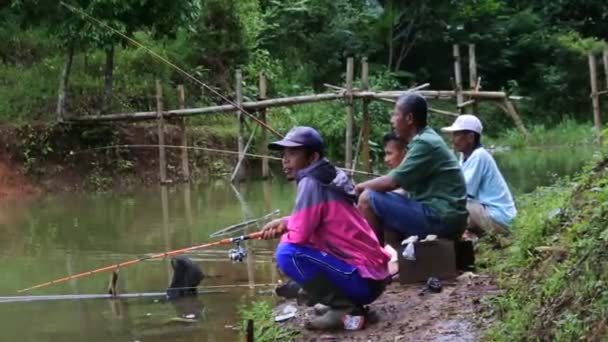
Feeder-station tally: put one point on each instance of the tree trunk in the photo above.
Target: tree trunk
(85, 63)
(106, 102)
(407, 44)
(390, 48)
(63, 84)
(405, 50)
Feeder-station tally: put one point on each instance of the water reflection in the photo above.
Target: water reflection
(527, 169)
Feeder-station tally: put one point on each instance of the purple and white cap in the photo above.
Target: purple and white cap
(301, 136)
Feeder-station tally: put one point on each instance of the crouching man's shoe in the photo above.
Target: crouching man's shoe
(321, 309)
(338, 318)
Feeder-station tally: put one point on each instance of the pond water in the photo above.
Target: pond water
(527, 169)
(56, 235)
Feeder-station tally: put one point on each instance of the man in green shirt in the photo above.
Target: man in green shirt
(430, 174)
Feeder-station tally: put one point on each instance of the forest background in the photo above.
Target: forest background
(535, 49)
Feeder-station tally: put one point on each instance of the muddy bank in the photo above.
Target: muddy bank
(455, 314)
(51, 158)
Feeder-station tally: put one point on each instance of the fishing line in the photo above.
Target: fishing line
(207, 149)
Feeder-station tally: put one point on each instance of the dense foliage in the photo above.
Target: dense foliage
(536, 49)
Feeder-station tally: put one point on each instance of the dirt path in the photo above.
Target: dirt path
(404, 315)
(13, 184)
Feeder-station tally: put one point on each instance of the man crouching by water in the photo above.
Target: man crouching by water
(327, 246)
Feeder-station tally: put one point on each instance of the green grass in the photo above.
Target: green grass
(554, 296)
(568, 132)
(265, 329)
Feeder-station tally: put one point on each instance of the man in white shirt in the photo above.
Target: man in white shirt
(489, 201)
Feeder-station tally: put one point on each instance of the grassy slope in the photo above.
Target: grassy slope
(555, 295)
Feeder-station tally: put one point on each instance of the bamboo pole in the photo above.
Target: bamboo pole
(442, 112)
(286, 101)
(181, 98)
(365, 154)
(605, 58)
(188, 210)
(252, 105)
(357, 150)
(239, 101)
(370, 94)
(457, 76)
(348, 153)
(597, 116)
(264, 138)
(430, 109)
(466, 104)
(508, 107)
(164, 199)
(447, 94)
(162, 161)
(237, 174)
(473, 75)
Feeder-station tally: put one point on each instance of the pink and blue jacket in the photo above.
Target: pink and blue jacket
(325, 218)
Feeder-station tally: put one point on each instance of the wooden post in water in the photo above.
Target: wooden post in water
(457, 77)
(473, 76)
(249, 331)
(509, 108)
(597, 117)
(264, 137)
(239, 101)
(164, 199)
(605, 57)
(181, 98)
(162, 161)
(188, 210)
(365, 154)
(348, 153)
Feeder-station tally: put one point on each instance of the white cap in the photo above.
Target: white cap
(465, 122)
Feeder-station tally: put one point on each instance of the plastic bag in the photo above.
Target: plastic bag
(429, 238)
(408, 252)
(392, 252)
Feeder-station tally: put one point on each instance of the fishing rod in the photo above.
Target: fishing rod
(85, 15)
(212, 289)
(236, 254)
(226, 286)
(236, 227)
(15, 299)
(207, 149)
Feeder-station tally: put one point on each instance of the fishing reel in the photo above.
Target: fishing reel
(237, 254)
